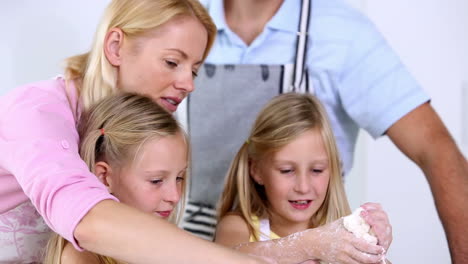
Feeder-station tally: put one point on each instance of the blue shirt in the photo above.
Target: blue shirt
(355, 73)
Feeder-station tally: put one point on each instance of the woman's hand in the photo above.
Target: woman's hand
(375, 216)
(332, 243)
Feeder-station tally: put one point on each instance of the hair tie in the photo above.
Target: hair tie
(102, 131)
(247, 141)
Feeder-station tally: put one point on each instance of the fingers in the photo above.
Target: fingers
(371, 206)
(376, 215)
(337, 245)
(363, 246)
(367, 258)
(357, 252)
(362, 257)
(379, 222)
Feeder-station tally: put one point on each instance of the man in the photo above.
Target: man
(349, 67)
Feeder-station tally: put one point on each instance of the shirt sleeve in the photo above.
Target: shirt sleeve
(375, 88)
(39, 134)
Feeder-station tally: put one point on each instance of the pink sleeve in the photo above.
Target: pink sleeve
(38, 132)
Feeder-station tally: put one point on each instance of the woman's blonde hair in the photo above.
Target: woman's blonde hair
(281, 121)
(92, 73)
(114, 131)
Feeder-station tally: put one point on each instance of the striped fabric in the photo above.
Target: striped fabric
(200, 220)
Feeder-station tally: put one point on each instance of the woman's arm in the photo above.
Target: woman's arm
(39, 146)
(72, 256)
(119, 231)
(331, 243)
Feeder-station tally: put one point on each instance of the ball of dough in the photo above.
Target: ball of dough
(355, 224)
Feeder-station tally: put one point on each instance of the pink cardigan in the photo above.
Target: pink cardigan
(39, 157)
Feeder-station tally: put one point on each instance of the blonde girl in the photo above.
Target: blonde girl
(140, 153)
(149, 47)
(285, 184)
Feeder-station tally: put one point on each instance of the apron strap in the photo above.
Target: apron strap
(300, 78)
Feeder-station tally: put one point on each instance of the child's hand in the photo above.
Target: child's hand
(332, 243)
(375, 216)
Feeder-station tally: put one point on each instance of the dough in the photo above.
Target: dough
(355, 224)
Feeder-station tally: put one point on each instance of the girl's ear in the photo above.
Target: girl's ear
(255, 172)
(113, 45)
(103, 172)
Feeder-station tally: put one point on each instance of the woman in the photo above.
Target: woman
(143, 46)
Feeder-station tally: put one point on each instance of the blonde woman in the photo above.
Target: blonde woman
(150, 47)
(285, 184)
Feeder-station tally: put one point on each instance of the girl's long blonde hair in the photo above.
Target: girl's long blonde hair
(92, 73)
(114, 130)
(281, 121)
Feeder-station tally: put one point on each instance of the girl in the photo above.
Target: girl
(150, 47)
(140, 153)
(285, 182)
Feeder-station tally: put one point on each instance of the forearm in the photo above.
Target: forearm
(124, 233)
(422, 136)
(447, 174)
(288, 249)
(330, 243)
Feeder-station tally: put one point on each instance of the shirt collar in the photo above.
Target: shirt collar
(286, 18)
(216, 11)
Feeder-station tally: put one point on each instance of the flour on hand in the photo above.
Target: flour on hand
(355, 224)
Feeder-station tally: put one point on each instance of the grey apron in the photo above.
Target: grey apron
(219, 115)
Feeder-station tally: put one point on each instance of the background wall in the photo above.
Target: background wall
(429, 35)
(38, 35)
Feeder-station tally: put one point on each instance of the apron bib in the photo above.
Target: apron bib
(219, 116)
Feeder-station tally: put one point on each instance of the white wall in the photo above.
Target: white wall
(38, 35)
(429, 35)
